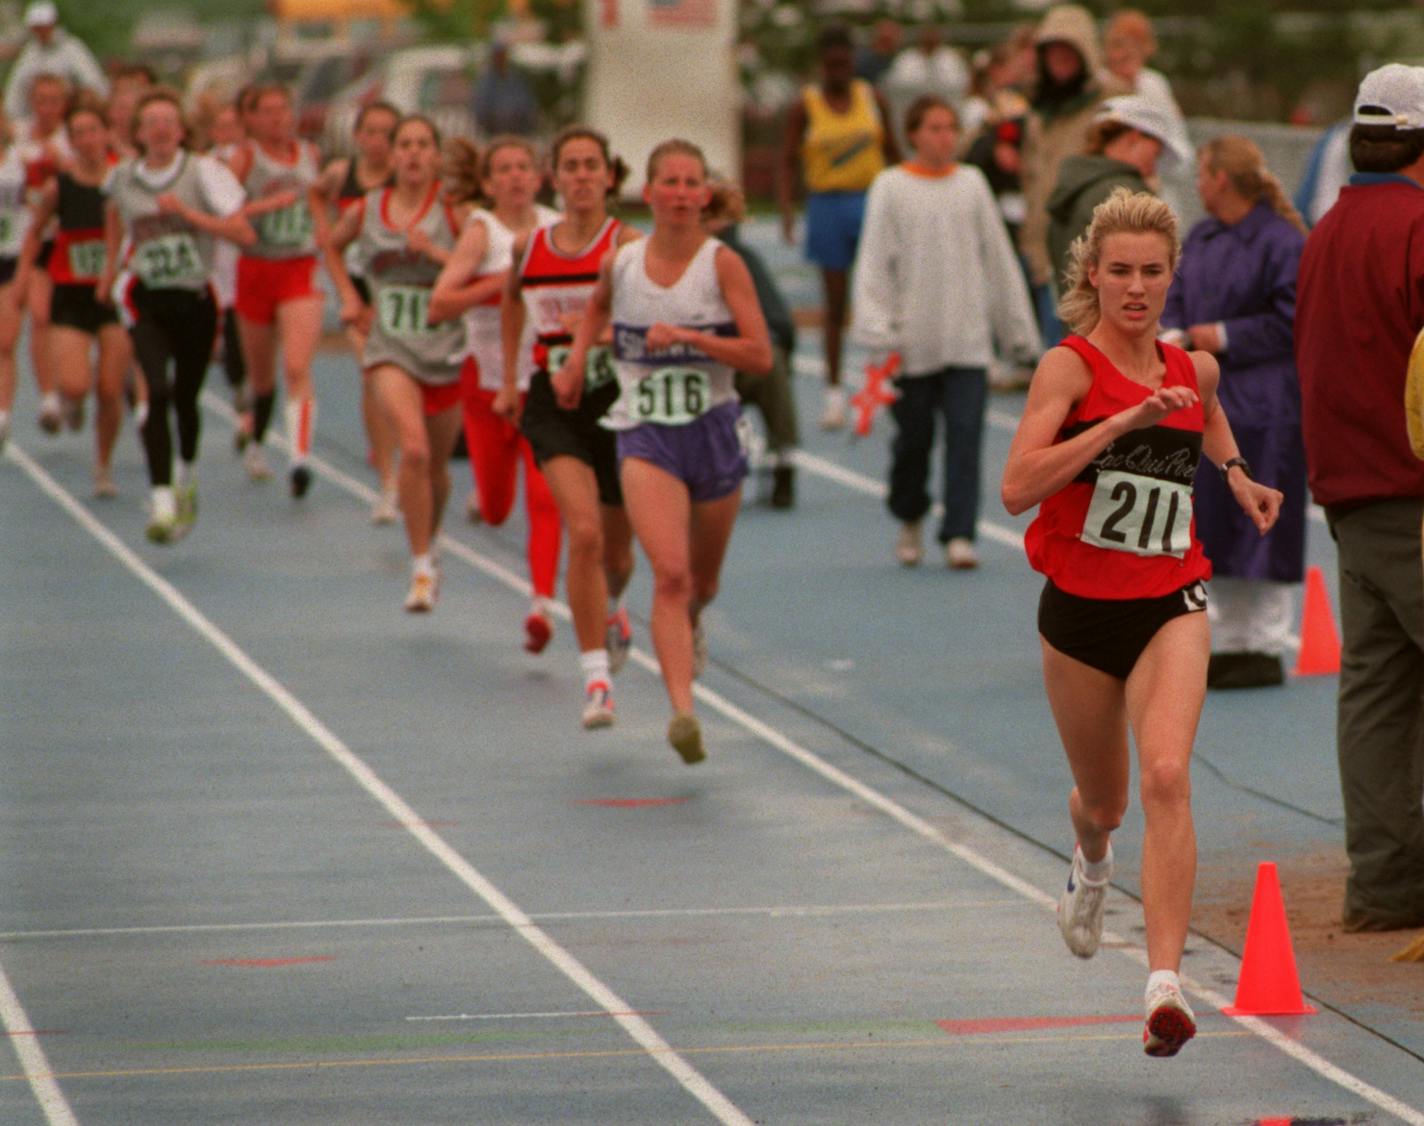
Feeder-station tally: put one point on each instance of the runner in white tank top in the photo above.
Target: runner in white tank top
(685, 318)
(473, 284)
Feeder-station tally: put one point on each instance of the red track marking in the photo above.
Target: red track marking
(268, 963)
(630, 803)
(1028, 1024)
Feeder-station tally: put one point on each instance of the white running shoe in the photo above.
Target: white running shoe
(1080, 909)
(699, 651)
(424, 586)
(598, 706)
(187, 498)
(1170, 1022)
(51, 413)
(959, 554)
(833, 411)
(104, 486)
(255, 462)
(386, 510)
(908, 548)
(618, 640)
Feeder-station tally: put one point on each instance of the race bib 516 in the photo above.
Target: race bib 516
(672, 397)
(1140, 515)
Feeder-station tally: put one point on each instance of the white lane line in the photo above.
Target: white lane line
(788, 911)
(637, 1028)
(924, 829)
(36, 1067)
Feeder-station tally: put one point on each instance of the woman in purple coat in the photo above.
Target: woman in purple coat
(1234, 296)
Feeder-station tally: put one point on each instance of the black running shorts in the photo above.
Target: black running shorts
(75, 306)
(553, 432)
(1110, 634)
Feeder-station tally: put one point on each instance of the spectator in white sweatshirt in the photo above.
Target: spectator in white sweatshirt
(937, 282)
(50, 50)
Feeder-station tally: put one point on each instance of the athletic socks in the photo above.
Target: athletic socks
(1099, 870)
(164, 503)
(301, 424)
(262, 407)
(594, 664)
(422, 564)
(1163, 979)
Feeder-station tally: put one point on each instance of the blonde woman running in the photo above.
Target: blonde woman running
(1108, 446)
(685, 320)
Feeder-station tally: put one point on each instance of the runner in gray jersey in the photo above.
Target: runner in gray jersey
(403, 236)
(278, 302)
(168, 205)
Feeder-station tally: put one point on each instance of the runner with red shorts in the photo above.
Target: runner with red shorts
(403, 236)
(278, 302)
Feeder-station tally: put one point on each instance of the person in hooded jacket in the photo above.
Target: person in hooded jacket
(1069, 87)
(1129, 140)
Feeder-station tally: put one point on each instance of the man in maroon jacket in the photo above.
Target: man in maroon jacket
(1360, 304)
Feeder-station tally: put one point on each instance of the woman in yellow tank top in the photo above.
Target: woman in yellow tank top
(836, 133)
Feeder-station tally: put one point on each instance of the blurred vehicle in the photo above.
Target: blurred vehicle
(435, 81)
(320, 80)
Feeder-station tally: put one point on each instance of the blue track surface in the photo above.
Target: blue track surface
(275, 851)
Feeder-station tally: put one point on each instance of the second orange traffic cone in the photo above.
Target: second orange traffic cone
(1319, 642)
(1269, 984)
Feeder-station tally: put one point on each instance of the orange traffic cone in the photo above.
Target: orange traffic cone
(1319, 643)
(1269, 985)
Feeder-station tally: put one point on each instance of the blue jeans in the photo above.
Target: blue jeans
(957, 394)
(1045, 305)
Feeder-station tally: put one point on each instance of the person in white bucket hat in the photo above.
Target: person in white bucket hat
(50, 50)
(1129, 141)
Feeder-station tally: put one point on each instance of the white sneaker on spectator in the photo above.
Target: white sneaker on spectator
(908, 548)
(959, 554)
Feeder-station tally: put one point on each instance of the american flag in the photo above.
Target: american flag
(682, 13)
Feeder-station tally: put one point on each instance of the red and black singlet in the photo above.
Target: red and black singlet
(1124, 528)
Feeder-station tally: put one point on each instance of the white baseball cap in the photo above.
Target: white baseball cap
(41, 13)
(1138, 113)
(1392, 95)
